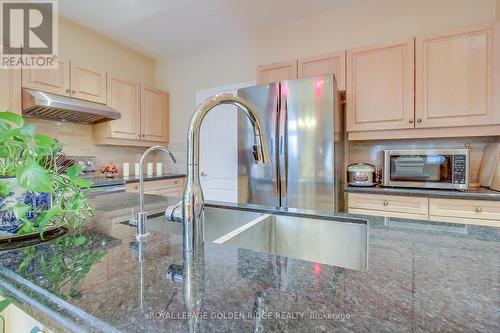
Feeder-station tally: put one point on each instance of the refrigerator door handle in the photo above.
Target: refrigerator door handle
(275, 149)
(283, 174)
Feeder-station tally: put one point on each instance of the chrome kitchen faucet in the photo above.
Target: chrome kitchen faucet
(192, 204)
(142, 215)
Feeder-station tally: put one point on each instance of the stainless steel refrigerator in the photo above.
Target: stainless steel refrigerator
(304, 127)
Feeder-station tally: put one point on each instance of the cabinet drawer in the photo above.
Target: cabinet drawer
(464, 209)
(155, 185)
(389, 203)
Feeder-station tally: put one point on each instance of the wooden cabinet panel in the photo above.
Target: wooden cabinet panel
(380, 87)
(277, 72)
(125, 97)
(154, 114)
(465, 209)
(454, 77)
(88, 84)
(156, 185)
(331, 63)
(176, 192)
(54, 81)
(389, 203)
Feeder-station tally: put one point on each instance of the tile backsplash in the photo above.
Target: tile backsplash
(372, 151)
(78, 142)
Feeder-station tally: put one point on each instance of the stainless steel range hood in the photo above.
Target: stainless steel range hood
(39, 104)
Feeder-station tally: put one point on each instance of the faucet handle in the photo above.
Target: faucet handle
(174, 213)
(175, 273)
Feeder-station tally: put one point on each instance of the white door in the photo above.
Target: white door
(219, 147)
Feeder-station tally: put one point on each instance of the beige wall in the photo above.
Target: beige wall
(353, 24)
(498, 10)
(79, 44)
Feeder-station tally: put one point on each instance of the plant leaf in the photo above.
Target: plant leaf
(12, 118)
(20, 210)
(34, 178)
(44, 141)
(45, 218)
(4, 188)
(80, 240)
(24, 264)
(84, 183)
(75, 170)
(26, 228)
(4, 303)
(28, 130)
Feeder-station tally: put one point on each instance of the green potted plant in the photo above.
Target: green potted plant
(33, 194)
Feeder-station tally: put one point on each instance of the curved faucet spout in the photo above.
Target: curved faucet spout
(193, 215)
(142, 215)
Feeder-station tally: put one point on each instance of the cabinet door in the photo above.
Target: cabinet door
(454, 75)
(380, 84)
(125, 97)
(277, 72)
(54, 81)
(332, 63)
(175, 192)
(87, 83)
(154, 114)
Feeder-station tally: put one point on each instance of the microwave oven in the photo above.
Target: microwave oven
(427, 168)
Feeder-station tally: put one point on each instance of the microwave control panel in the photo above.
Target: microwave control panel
(459, 169)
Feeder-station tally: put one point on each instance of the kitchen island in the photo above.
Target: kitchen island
(421, 276)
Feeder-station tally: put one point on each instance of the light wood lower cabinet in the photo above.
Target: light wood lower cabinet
(480, 212)
(465, 211)
(167, 187)
(389, 205)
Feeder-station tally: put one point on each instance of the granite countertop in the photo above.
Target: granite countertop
(421, 276)
(474, 194)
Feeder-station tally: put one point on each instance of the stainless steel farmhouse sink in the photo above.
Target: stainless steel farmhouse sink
(342, 244)
(218, 222)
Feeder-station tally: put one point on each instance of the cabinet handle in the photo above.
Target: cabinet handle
(479, 210)
(419, 121)
(73, 91)
(386, 203)
(411, 121)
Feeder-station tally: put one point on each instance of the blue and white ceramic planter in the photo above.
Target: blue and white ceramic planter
(9, 224)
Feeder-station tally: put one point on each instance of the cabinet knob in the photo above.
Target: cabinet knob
(479, 210)
(419, 121)
(73, 91)
(68, 91)
(410, 121)
(386, 203)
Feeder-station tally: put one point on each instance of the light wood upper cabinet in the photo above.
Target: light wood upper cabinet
(144, 115)
(454, 78)
(87, 83)
(154, 114)
(125, 97)
(379, 92)
(277, 72)
(331, 63)
(54, 81)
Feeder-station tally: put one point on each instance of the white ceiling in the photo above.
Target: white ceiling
(167, 27)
